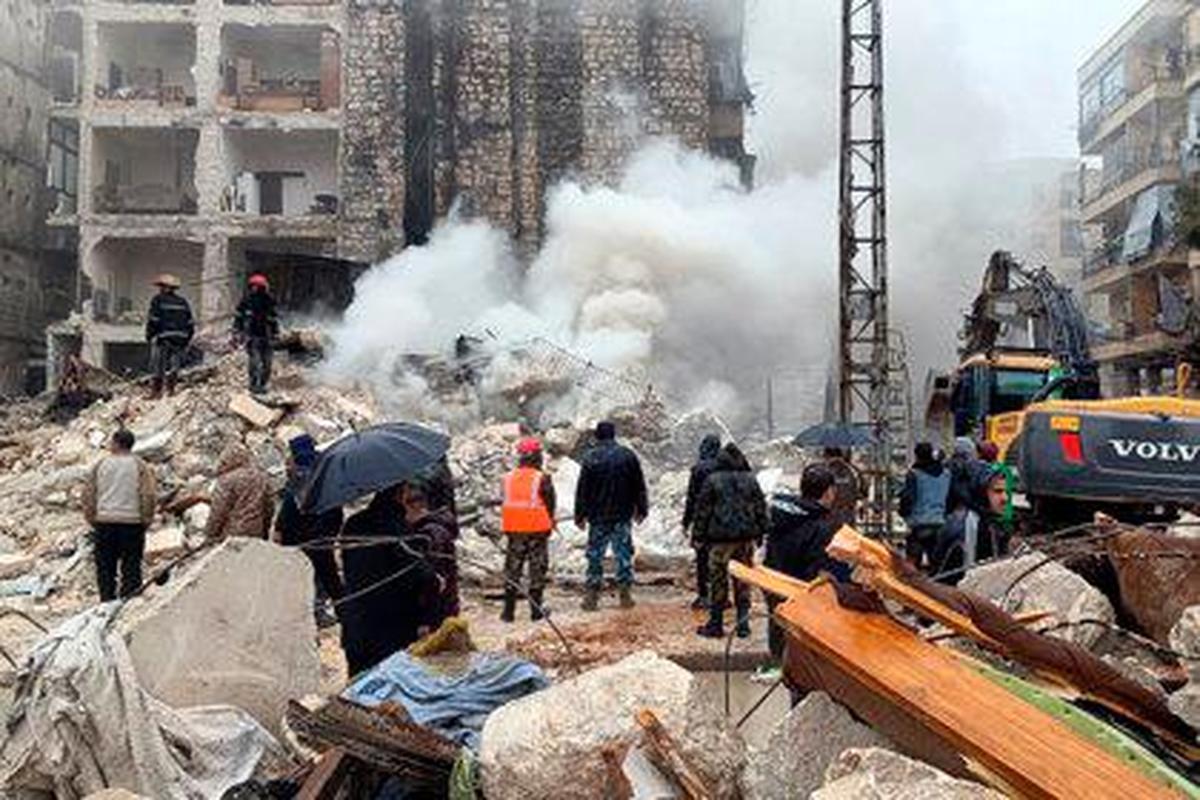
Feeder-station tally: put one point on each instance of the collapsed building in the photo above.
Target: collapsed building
(307, 139)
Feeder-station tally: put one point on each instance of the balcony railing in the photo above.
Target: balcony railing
(1165, 73)
(1129, 167)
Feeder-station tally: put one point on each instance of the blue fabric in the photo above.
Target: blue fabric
(929, 504)
(620, 536)
(454, 706)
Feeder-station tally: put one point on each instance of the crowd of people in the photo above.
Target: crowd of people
(397, 577)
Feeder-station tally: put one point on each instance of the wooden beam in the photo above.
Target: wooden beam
(670, 760)
(900, 684)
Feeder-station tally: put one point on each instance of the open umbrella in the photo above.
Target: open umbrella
(369, 460)
(835, 434)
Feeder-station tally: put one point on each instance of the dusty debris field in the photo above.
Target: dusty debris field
(633, 705)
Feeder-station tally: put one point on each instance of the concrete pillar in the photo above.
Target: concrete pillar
(217, 289)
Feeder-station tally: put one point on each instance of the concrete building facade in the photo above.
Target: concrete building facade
(1141, 276)
(307, 139)
(24, 104)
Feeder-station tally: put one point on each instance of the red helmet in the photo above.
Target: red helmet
(528, 446)
(258, 279)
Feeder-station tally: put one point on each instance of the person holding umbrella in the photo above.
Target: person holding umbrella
(385, 569)
(431, 536)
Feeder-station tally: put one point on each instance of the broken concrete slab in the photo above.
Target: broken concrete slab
(236, 628)
(1185, 639)
(876, 774)
(115, 794)
(550, 744)
(1154, 591)
(1185, 704)
(165, 543)
(1017, 587)
(254, 412)
(14, 564)
(154, 447)
(823, 729)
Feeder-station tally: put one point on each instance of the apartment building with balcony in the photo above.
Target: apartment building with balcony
(1135, 131)
(308, 139)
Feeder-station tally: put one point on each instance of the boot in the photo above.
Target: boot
(700, 603)
(715, 627)
(627, 597)
(156, 386)
(743, 621)
(510, 606)
(536, 610)
(172, 380)
(591, 599)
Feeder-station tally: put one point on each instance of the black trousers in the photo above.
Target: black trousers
(701, 570)
(119, 547)
(259, 356)
(325, 569)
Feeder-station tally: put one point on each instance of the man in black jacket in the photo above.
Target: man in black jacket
(710, 446)
(257, 324)
(610, 496)
(801, 529)
(169, 330)
(731, 518)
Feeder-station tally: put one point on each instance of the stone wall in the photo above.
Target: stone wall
(24, 106)
(373, 166)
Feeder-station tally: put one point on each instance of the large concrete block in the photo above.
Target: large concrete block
(549, 744)
(876, 774)
(235, 628)
(821, 730)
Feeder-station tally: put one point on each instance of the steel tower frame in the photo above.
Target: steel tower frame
(863, 275)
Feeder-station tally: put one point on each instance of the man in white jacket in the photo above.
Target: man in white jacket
(118, 502)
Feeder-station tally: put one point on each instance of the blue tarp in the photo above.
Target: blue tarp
(454, 706)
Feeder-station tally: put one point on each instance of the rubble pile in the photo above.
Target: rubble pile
(182, 436)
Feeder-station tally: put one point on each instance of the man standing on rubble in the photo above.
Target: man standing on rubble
(431, 536)
(710, 447)
(527, 519)
(610, 496)
(169, 330)
(801, 528)
(923, 505)
(257, 325)
(242, 504)
(731, 519)
(118, 502)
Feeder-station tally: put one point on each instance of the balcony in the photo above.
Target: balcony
(280, 68)
(1103, 269)
(1129, 176)
(1126, 105)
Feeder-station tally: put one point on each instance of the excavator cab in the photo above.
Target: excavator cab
(986, 394)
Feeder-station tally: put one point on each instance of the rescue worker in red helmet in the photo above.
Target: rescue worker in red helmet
(256, 325)
(526, 519)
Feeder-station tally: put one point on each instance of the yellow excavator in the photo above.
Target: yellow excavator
(1027, 383)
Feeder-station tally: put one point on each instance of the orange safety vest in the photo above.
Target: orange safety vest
(524, 511)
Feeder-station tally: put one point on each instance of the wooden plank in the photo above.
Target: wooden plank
(326, 778)
(1024, 749)
(767, 579)
(670, 760)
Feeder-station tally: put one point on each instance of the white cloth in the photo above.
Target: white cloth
(118, 485)
(81, 722)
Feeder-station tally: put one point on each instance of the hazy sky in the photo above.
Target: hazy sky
(1023, 55)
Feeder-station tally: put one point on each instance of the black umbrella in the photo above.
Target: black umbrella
(835, 434)
(369, 460)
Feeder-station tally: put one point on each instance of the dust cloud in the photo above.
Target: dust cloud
(679, 275)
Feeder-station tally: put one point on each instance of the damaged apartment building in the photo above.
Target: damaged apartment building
(1139, 99)
(307, 139)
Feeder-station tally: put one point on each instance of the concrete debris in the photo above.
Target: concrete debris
(1185, 704)
(254, 412)
(1185, 639)
(165, 543)
(818, 727)
(549, 744)
(877, 774)
(1017, 587)
(14, 564)
(236, 627)
(115, 794)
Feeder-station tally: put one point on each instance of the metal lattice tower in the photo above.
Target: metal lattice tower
(863, 341)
